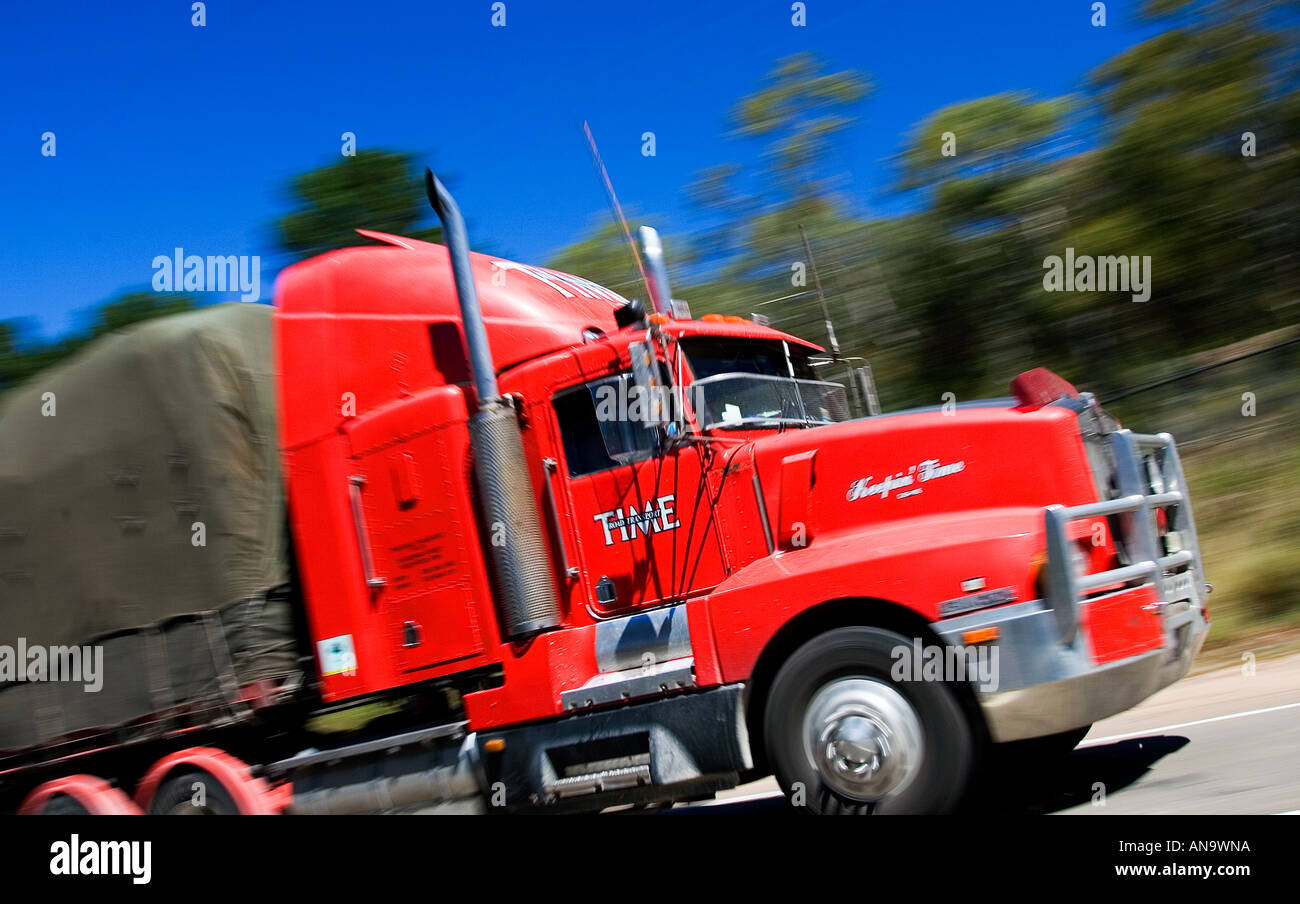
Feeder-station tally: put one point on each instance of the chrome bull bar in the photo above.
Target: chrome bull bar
(1149, 477)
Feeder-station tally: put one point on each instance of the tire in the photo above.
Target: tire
(175, 796)
(833, 710)
(63, 805)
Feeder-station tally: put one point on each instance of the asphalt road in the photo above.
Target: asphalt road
(1222, 742)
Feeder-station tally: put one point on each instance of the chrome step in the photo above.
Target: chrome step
(596, 782)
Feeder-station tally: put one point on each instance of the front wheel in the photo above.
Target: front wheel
(845, 737)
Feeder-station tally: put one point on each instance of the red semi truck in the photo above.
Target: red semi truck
(583, 554)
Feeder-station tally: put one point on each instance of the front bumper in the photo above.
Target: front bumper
(1051, 675)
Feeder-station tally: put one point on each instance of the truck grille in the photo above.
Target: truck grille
(1149, 487)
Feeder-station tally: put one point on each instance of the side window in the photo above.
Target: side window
(595, 428)
(450, 359)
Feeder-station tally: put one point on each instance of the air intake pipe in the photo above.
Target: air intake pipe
(520, 556)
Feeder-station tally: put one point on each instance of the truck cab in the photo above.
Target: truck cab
(747, 576)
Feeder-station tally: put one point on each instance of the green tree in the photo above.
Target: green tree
(795, 118)
(22, 355)
(968, 265)
(10, 353)
(136, 307)
(951, 296)
(379, 190)
(605, 258)
(1171, 180)
(797, 114)
(751, 251)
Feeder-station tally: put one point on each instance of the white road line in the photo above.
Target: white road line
(1150, 731)
(769, 795)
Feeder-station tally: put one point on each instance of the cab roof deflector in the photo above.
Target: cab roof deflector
(400, 241)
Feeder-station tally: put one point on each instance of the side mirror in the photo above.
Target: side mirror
(864, 386)
(659, 409)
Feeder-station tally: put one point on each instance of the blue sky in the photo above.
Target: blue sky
(171, 135)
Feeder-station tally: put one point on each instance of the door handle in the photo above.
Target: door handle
(373, 581)
(553, 511)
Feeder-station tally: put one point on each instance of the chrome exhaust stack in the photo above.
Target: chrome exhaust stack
(520, 556)
(661, 294)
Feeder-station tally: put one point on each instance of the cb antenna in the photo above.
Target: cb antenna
(821, 298)
(618, 210)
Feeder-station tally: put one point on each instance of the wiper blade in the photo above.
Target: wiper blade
(761, 421)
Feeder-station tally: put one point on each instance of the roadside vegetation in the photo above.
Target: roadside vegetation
(1242, 470)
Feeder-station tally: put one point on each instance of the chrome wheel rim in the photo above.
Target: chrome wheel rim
(864, 738)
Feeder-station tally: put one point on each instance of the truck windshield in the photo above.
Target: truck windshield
(748, 382)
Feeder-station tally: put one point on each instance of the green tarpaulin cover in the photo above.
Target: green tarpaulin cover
(139, 482)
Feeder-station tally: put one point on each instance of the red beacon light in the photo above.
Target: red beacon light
(1039, 387)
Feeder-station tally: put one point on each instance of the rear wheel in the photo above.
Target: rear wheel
(193, 793)
(63, 805)
(844, 737)
(77, 795)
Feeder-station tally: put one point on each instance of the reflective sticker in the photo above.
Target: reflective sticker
(337, 656)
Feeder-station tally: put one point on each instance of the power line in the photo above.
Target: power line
(1199, 370)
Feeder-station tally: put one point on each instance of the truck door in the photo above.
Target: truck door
(414, 520)
(644, 517)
